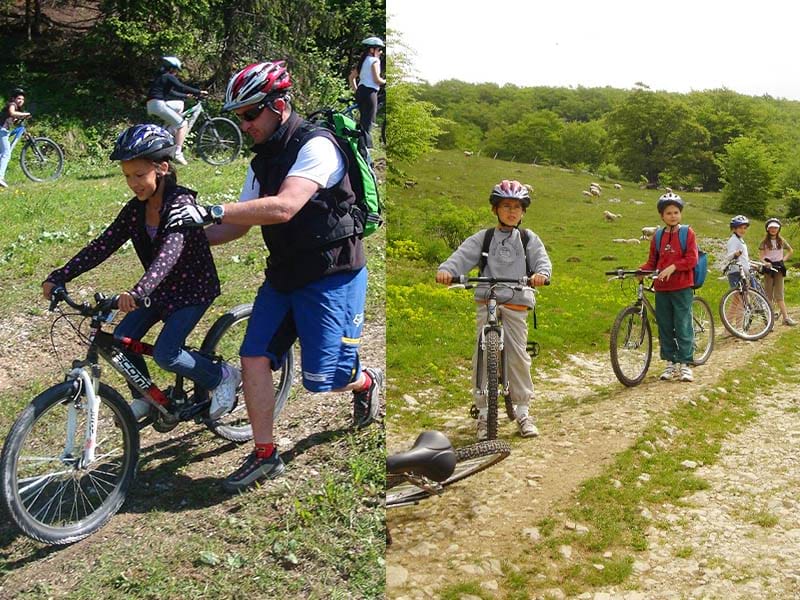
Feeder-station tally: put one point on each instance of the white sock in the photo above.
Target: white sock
(521, 410)
(483, 412)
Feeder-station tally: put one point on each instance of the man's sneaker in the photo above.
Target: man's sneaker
(789, 321)
(223, 397)
(669, 372)
(527, 427)
(180, 158)
(3, 183)
(367, 403)
(254, 469)
(686, 373)
(140, 408)
(483, 429)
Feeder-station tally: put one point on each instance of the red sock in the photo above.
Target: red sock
(264, 450)
(367, 382)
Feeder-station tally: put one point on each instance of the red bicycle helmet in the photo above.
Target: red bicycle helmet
(256, 82)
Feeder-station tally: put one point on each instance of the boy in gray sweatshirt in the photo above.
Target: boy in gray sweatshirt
(507, 258)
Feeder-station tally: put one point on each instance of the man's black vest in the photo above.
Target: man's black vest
(322, 238)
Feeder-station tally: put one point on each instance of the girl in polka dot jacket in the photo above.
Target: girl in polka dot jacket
(180, 278)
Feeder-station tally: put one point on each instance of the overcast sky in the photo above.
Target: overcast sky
(676, 45)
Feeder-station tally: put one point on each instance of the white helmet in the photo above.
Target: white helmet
(373, 42)
(172, 62)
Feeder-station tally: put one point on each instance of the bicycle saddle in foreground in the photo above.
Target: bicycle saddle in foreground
(431, 456)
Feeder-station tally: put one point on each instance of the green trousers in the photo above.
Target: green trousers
(675, 331)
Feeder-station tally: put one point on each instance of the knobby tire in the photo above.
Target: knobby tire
(631, 345)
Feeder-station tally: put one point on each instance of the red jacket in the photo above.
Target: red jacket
(670, 254)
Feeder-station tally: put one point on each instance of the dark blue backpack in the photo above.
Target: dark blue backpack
(701, 268)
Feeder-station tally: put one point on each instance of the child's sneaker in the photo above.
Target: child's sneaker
(180, 158)
(526, 426)
(686, 373)
(483, 429)
(140, 408)
(223, 397)
(789, 321)
(669, 372)
(3, 184)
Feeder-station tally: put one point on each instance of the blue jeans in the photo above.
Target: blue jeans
(168, 351)
(5, 151)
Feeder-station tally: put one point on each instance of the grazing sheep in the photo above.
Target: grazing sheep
(633, 241)
(594, 191)
(467, 153)
(648, 232)
(410, 183)
(587, 193)
(697, 188)
(615, 200)
(528, 187)
(619, 240)
(617, 186)
(609, 216)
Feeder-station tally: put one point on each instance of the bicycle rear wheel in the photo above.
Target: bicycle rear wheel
(41, 159)
(224, 340)
(746, 315)
(703, 325)
(219, 141)
(631, 345)
(469, 460)
(49, 495)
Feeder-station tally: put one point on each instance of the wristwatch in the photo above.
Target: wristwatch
(217, 212)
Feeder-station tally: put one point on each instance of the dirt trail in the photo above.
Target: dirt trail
(445, 539)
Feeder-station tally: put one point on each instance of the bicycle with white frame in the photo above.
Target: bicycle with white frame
(218, 140)
(41, 158)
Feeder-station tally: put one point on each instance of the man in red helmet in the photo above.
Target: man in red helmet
(298, 191)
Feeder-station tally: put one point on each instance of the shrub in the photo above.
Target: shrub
(792, 200)
(452, 224)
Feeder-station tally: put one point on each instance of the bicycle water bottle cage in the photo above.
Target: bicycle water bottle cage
(532, 348)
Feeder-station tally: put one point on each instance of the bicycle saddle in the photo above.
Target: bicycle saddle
(431, 456)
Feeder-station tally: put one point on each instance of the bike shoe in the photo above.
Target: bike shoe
(526, 426)
(253, 470)
(686, 373)
(367, 403)
(223, 397)
(483, 429)
(669, 371)
(140, 408)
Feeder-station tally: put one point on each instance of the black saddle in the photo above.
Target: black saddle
(431, 456)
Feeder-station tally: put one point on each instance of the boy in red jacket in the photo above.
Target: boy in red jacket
(673, 287)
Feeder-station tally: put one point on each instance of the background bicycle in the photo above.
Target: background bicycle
(41, 159)
(71, 455)
(218, 140)
(744, 309)
(631, 344)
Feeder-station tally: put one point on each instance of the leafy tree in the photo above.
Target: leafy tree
(583, 143)
(652, 132)
(535, 137)
(748, 173)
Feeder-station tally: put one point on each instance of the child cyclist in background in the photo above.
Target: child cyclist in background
(776, 251)
(506, 258)
(673, 289)
(736, 248)
(180, 277)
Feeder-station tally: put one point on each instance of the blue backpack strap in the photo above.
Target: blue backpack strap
(683, 237)
(659, 233)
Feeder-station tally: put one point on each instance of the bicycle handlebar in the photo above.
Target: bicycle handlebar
(102, 302)
(622, 273)
(523, 281)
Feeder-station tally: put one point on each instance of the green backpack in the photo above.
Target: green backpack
(353, 143)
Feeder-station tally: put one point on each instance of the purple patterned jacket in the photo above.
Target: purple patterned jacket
(179, 267)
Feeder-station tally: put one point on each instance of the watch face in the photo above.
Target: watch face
(217, 212)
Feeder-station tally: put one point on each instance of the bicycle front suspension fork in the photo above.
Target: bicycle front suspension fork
(89, 382)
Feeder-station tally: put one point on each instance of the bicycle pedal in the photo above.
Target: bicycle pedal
(473, 411)
(532, 348)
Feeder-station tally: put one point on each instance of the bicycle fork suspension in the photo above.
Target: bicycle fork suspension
(89, 385)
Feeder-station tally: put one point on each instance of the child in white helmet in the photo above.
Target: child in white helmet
(775, 250)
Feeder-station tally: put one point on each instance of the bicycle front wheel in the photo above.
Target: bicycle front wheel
(42, 159)
(492, 340)
(631, 345)
(703, 325)
(224, 340)
(219, 141)
(746, 315)
(50, 495)
(469, 460)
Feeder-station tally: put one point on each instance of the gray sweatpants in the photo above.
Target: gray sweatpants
(518, 362)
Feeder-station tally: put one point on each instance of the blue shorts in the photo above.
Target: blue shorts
(327, 316)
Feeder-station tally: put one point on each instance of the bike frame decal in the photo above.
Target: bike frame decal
(128, 370)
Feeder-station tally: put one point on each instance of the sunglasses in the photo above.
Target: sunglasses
(251, 114)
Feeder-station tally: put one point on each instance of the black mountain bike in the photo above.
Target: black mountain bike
(432, 464)
(71, 455)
